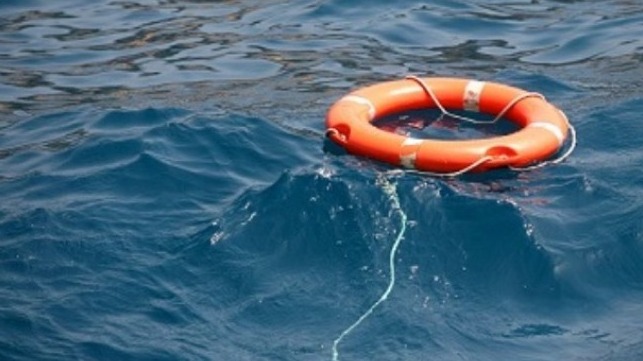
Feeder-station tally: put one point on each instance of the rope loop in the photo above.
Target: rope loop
(335, 134)
(331, 131)
(427, 89)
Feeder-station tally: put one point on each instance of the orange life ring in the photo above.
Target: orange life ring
(543, 127)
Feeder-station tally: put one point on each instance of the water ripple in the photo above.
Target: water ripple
(166, 192)
(310, 45)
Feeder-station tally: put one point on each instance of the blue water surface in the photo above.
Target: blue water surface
(167, 192)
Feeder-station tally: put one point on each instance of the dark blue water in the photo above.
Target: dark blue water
(167, 194)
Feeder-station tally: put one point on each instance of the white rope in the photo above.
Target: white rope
(500, 115)
(390, 190)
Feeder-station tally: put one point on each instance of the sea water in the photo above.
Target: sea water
(166, 191)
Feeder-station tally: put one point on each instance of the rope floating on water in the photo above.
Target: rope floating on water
(390, 190)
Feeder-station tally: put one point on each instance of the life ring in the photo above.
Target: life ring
(543, 127)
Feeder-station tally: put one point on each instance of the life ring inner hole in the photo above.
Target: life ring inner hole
(432, 124)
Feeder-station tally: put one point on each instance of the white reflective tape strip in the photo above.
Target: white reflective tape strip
(408, 161)
(361, 100)
(551, 128)
(412, 141)
(471, 96)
